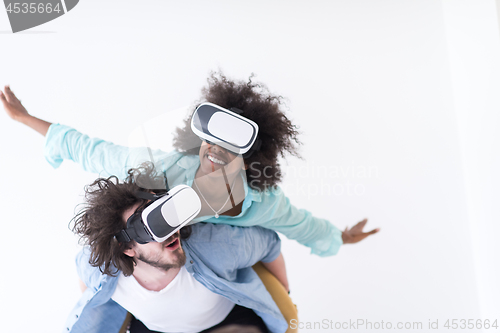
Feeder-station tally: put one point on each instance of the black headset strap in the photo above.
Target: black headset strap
(131, 231)
(255, 147)
(147, 195)
(236, 110)
(166, 181)
(123, 237)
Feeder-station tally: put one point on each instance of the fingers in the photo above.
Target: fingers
(9, 94)
(10, 97)
(2, 97)
(374, 231)
(357, 231)
(362, 223)
(358, 228)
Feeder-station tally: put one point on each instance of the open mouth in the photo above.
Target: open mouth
(173, 245)
(215, 159)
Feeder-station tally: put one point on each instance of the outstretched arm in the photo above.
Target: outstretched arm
(62, 142)
(18, 112)
(277, 213)
(65, 143)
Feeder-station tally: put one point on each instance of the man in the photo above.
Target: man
(198, 280)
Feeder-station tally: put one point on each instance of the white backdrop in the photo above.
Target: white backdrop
(396, 101)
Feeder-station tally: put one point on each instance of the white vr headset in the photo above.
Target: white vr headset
(164, 215)
(225, 128)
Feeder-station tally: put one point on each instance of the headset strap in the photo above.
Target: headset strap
(255, 147)
(147, 195)
(123, 237)
(236, 110)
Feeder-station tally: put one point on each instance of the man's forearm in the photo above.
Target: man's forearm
(278, 269)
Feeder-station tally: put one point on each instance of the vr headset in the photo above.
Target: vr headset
(225, 128)
(163, 217)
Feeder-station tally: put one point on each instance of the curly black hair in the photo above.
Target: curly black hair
(101, 219)
(279, 136)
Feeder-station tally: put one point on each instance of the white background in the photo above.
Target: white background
(405, 89)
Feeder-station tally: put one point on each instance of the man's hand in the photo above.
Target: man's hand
(356, 234)
(18, 112)
(12, 105)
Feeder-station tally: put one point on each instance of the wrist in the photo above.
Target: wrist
(24, 118)
(345, 238)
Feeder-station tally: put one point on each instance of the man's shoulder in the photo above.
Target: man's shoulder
(224, 248)
(223, 233)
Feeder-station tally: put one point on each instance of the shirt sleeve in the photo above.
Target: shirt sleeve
(93, 154)
(320, 235)
(234, 247)
(90, 275)
(257, 244)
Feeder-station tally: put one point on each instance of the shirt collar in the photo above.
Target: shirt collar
(190, 163)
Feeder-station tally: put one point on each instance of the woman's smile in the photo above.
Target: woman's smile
(216, 159)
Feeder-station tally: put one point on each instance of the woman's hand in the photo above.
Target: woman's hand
(18, 112)
(356, 234)
(12, 105)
